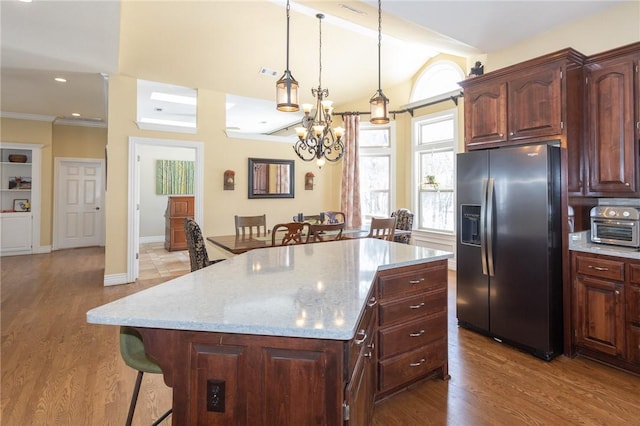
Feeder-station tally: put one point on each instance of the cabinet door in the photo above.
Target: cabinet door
(600, 315)
(535, 104)
(612, 151)
(15, 233)
(633, 336)
(485, 115)
(360, 391)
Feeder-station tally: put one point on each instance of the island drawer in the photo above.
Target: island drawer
(410, 366)
(599, 267)
(412, 307)
(409, 281)
(406, 337)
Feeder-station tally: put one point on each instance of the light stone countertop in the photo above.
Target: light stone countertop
(581, 241)
(309, 290)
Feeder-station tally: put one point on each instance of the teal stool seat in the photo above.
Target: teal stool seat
(134, 355)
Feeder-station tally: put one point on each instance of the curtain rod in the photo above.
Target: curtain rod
(410, 110)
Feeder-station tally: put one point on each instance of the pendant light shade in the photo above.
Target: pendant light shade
(379, 102)
(287, 86)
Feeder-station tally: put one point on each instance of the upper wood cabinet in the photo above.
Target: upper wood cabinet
(523, 103)
(613, 105)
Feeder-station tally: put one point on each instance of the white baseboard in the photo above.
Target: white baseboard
(41, 249)
(115, 279)
(152, 239)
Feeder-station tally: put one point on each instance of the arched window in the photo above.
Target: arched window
(441, 77)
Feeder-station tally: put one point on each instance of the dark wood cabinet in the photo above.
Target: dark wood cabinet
(485, 114)
(178, 208)
(241, 379)
(524, 103)
(606, 321)
(613, 120)
(412, 326)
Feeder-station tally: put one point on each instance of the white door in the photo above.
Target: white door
(79, 220)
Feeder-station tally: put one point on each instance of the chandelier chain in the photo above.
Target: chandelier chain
(288, 9)
(379, 41)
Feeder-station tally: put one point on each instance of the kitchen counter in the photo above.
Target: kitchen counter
(310, 290)
(290, 335)
(581, 241)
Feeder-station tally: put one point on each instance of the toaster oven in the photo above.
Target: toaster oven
(615, 225)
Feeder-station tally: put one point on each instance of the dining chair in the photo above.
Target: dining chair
(382, 228)
(314, 218)
(325, 232)
(134, 356)
(198, 256)
(404, 222)
(334, 217)
(259, 223)
(294, 233)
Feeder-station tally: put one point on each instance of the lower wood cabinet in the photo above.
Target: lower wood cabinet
(240, 379)
(606, 305)
(412, 326)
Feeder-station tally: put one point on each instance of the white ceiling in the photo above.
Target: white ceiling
(80, 40)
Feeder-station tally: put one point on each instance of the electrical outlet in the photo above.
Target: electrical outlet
(215, 395)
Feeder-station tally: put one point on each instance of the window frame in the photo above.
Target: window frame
(389, 151)
(417, 149)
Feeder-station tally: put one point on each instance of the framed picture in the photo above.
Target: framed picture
(21, 205)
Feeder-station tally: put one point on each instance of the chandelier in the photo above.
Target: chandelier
(287, 86)
(379, 102)
(316, 138)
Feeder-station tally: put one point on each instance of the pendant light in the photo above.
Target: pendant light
(287, 86)
(379, 102)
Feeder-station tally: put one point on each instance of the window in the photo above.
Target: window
(434, 156)
(441, 77)
(376, 154)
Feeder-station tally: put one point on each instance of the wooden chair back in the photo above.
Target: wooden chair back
(314, 218)
(325, 232)
(334, 217)
(251, 223)
(290, 233)
(382, 228)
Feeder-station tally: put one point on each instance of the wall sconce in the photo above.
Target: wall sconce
(229, 180)
(308, 181)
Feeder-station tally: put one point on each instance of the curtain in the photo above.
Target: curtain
(350, 188)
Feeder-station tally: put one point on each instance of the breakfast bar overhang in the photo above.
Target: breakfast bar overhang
(302, 334)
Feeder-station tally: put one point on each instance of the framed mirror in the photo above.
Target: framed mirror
(269, 178)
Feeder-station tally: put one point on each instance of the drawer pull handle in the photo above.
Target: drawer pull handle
(598, 268)
(368, 355)
(416, 281)
(417, 306)
(362, 333)
(617, 292)
(418, 364)
(372, 302)
(417, 334)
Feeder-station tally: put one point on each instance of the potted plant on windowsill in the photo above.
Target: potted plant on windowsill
(430, 182)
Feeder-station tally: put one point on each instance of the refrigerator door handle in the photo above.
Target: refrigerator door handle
(483, 228)
(489, 222)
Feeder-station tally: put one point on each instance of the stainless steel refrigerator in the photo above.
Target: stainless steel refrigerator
(509, 262)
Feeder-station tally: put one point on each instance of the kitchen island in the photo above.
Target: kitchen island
(292, 335)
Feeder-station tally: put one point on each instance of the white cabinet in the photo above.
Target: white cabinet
(19, 198)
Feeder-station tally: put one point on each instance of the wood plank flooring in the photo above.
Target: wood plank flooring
(59, 370)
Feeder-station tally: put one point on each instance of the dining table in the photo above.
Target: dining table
(238, 244)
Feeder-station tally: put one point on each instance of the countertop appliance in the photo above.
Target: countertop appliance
(509, 260)
(616, 225)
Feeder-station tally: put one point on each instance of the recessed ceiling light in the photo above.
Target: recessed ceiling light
(60, 79)
(75, 114)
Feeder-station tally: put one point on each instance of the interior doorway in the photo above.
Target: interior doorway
(137, 147)
(79, 203)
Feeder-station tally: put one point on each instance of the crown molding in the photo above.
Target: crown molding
(21, 116)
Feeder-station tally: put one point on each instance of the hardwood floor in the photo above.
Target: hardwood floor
(59, 370)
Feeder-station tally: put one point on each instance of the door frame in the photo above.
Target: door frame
(133, 216)
(57, 164)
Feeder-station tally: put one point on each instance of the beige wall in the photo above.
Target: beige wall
(618, 26)
(79, 141)
(221, 153)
